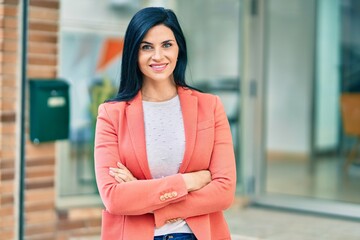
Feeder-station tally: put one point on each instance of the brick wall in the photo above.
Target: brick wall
(42, 219)
(8, 99)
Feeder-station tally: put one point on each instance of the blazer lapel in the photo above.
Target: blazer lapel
(189, 110)
(135, 121)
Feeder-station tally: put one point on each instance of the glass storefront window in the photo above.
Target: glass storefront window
(309, 53)
(90, 56)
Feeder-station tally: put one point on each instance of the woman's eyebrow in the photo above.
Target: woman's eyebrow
(145, 42)
(166, 41)
(170, 40)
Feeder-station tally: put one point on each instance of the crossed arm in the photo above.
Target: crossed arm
(193, 181)
(198, 193)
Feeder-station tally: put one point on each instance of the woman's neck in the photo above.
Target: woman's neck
(158, 93)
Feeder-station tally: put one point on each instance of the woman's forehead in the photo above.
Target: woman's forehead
(159, 33)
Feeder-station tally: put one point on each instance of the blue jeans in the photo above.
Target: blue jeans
(176, 236)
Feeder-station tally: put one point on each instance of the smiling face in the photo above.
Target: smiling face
(158, 55)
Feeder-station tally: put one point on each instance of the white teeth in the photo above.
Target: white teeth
(158, 66)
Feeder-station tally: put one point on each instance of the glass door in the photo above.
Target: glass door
(299, 145)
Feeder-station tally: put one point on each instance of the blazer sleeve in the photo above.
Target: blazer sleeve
(128, 198)
(219, 193)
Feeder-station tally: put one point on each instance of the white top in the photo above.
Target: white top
(165, 147)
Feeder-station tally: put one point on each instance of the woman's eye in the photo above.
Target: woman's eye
(146, 47)
(167, 45)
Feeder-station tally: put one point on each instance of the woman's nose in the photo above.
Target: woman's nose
(157, 54)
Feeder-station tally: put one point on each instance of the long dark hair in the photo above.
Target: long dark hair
(131, 77)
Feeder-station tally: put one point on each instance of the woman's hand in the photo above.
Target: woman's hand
(121, 174)
(196, 180)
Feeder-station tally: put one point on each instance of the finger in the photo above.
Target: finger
(123, 170)
(114, 169)
(118, 171)
(127, 177)
(120, 165)
(123, 173)
(118, 179)
(122, 176)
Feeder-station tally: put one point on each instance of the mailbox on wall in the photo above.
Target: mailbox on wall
(49, 110)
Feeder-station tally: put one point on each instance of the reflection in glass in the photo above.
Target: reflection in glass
(303, 141)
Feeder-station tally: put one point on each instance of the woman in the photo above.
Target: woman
(164, 156)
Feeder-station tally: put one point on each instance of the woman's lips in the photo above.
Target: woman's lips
(158, 67)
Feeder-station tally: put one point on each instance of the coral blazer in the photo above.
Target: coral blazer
(134, 209)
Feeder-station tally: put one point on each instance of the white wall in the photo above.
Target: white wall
(212, 31)
(92, 16)
(289, 74)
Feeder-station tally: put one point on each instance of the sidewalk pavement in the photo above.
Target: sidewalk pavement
(256, 223)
